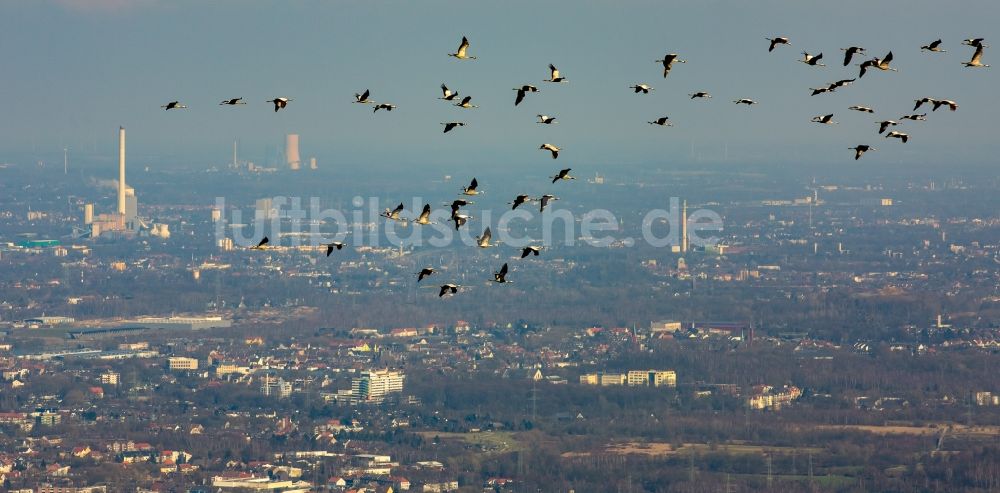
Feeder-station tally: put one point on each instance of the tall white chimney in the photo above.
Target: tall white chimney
(121, 170)
(684, 227)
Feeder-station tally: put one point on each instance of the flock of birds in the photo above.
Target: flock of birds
(459, 218)
(882, 64)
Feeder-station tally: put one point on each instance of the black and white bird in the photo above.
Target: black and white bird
(661, 121)
(551, 148)
(898, 135)
(466, 103)
(484, 240)
(884, 124)
(457, 204)
(425, 216)
(394, 213)
(841, 83)
(521, 91)
(530, 250)
(384, 106)
(879, 63)
(668, 62)
(934, 46)
(861, 149)
(883, 63)
(864, 109)
(500, 276)
(456, 214)
(545, 199)
(563, 175)
(472, 189)
(775, 41)
(748, 102)
(280, 103)
(173, 105)
(813, 60)
(447, 94)
(451, 125)
(865, 65)
(334, 245)
(819, 90)
(426, 271)
(700, 94)
(261, 244)
(546, 119)
(463, 49)
(919, 102)
(233, 101)
(554, 75)
(643, 88)
(824, 119)
(448, 289)
(460, 219)
(519, 200)
(977, 58)
(850, 52)
(944, 102)
(363, 98)
(974, 42)
(915, 117)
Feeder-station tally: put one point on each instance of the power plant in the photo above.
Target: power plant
(288, 155)
(125, 221)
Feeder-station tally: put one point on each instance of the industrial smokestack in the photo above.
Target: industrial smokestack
(684, 227)
(121, 170)
(292, 152)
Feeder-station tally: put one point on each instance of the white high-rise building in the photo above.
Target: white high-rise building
(374, 385)
(121, 170)
(292, 152)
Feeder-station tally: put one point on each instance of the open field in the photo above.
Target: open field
(661, 449)
(487, 441)
(982, 431)
(823, 481)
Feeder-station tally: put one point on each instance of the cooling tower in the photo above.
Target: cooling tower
(292, 152)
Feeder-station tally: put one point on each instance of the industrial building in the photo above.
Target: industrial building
(188, 323)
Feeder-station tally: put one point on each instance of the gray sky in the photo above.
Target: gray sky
(76, 69)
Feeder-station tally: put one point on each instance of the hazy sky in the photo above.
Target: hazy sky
(74, 70)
